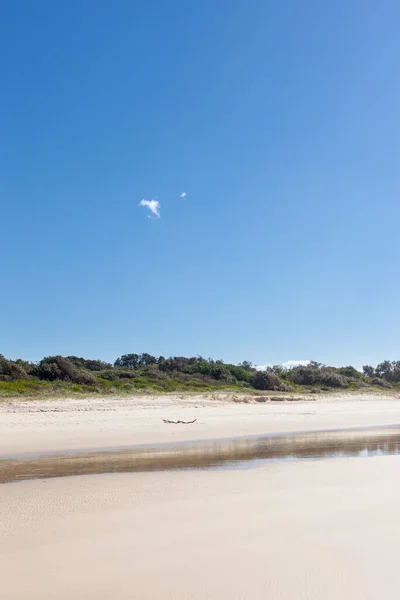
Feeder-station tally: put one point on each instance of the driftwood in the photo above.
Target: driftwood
(179, 422)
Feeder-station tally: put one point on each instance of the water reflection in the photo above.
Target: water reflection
(233, 453)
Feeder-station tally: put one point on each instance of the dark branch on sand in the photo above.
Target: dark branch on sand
(179, 422)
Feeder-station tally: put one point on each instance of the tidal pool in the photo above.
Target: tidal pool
(243, 452)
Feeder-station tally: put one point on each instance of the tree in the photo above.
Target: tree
(278, 370)
(246, 365)
(145, 360)
(129, 361)
(368, 371)
(384, 370)
(390, 371)
(315, 365)
(396, 370)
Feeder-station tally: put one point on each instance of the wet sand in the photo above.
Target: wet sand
(323, 529)
(283, 530)
(228, 453)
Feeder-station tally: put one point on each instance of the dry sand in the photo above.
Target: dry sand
(35, 426)
(295, 530)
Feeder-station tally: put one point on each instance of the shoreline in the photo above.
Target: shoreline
(188, 442)
(228, 453)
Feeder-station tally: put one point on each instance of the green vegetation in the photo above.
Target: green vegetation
(55, 375)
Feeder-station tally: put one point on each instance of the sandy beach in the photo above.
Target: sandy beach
(286, 530)
(70, 424)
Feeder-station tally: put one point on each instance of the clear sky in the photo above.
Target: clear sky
(279, 119)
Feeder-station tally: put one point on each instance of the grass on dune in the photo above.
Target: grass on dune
(31, 388)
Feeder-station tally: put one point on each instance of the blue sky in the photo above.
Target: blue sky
(280, 121)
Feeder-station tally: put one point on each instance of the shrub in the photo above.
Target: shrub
(350, 372)
(241, 373)
(108, 375)
(11, 371)
(133, 361)
(330, 378)
(91, 365)
(380, 382)
(303, 375)
(176, 363)
(263, 380)
(352, 385)
(323, 376)
(54, 368)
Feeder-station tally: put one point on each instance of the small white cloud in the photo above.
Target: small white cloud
(183, 195)
(295, 363)
(152, 205)
(286, 365)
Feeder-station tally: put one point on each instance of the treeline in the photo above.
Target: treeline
(144, 371)
(129, 367)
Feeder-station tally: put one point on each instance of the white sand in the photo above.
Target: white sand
(291, 531)
(95, 423)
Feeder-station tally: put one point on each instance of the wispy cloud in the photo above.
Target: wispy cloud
(152, 205)
(286, 365)
(295, 363)
(183, 195)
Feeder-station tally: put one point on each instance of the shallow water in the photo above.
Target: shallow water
(227, 453)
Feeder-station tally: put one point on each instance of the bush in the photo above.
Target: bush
(241, 373)
(133, 361)
(122, 374)
(27, 366)
(90, 365)
(323, 376)
(176, 363)
(263, 380)
(330, 378)
(11, 371)
(108, 375)
(303, 376)
(54, 368)
(352, 385)
(143, 371)
(350, 372)
(380, 382)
